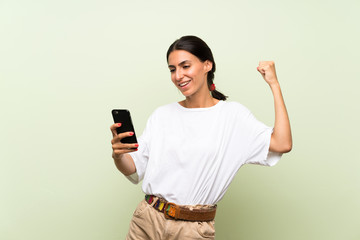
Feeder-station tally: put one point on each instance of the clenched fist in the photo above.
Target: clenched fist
(267, 70)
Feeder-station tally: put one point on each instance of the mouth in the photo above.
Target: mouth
(184, 84)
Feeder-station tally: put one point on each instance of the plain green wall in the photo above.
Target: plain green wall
(65, 64)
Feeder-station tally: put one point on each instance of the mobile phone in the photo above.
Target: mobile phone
(123, 116)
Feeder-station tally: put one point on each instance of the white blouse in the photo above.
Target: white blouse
(190, 156)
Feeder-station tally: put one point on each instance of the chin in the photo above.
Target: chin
(186, 94)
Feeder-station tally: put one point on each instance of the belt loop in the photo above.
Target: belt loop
(155, 199)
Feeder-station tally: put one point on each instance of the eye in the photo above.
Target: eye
(172, 69)
(186, 66)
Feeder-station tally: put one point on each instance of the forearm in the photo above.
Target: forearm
(125, 164)
(281, 139)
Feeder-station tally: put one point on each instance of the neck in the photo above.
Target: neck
(199, 102)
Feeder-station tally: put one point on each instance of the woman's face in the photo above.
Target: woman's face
(188, 73)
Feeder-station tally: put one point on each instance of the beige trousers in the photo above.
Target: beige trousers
(149, 224)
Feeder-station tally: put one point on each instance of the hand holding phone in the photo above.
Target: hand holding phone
(124, 138)
(123, 116)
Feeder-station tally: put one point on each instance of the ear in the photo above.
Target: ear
(208, 65)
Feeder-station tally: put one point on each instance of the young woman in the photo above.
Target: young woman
(191, 150)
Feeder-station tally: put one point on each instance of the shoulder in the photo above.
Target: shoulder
(163, 111)
(235, 107)
(236, 111)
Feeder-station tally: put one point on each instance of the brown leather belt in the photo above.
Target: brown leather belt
(177, 212)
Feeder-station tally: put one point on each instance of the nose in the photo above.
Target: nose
(178, 75)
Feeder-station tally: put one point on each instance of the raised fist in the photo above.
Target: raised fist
(268, 72)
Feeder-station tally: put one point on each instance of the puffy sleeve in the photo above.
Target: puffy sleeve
(258, 142)
(141, 156)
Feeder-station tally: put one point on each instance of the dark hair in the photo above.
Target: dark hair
(201, 50)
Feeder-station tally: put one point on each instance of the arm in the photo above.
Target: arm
(281, 140)
(125, 164)
(123, 161)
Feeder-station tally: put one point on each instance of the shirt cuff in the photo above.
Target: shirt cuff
(272, 158)
(134, 178)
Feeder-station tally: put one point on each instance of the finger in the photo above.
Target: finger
(119, 145)
(125, 134)
(123, 151)
(118, 137)
(266, 64)
(262, 64)
(261, 70)
(130, 145)
(114, 127)
(270, 63)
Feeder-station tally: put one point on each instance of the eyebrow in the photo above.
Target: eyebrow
(180, 64)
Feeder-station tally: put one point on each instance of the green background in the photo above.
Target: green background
(65, 64)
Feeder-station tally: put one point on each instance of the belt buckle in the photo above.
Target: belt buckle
(172, 212)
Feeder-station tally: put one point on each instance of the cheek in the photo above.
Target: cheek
(194, 72)
(172, 76)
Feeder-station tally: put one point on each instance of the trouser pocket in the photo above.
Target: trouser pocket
(206, 229)
(141, 208)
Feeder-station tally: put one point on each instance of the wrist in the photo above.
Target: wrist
(117, 157)
(274, 85)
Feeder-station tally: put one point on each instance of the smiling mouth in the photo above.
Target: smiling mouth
(183, 84)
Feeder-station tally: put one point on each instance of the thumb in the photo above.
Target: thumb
(261, 70)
